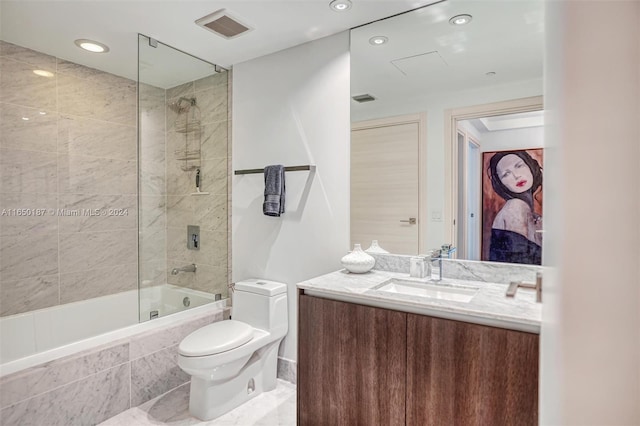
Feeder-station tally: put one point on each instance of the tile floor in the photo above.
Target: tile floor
(274, 408)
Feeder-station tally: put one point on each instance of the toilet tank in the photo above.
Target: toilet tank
(261, 304)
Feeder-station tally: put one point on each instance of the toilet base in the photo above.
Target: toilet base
(210, 399)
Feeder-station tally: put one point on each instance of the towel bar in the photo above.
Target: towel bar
(286, 169)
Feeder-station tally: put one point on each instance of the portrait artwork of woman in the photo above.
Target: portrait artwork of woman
(516, 177)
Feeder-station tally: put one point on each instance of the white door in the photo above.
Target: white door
(384, 187)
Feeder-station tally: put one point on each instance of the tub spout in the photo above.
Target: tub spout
(188, 268)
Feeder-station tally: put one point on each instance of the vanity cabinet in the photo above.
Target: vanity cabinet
(467, 374)
(351, 364)
(360, 365)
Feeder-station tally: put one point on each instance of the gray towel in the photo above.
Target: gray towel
(273, 190)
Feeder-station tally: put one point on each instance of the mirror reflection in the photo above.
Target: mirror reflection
(437, 93)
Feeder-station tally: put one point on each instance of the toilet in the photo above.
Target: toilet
(234, 360)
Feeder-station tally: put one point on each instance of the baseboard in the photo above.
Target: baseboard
(287, 370)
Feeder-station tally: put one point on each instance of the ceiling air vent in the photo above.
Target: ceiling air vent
(363, 98)
(223, 24)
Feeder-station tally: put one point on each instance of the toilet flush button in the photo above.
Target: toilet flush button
(260, 282)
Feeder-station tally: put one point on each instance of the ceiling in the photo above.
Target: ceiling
(427, 56)
(52, 26)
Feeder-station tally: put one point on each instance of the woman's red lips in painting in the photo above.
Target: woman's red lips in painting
(521, 183)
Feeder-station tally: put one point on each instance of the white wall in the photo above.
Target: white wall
(590, 358)
(292, 108)
(434, 157)
(502, 140)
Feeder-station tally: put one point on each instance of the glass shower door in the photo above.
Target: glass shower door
(182, 169)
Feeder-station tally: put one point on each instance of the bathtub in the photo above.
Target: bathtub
(43, 335)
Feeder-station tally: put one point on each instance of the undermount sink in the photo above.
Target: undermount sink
(433, 291)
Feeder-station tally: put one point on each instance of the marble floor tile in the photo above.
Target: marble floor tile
(274, 408)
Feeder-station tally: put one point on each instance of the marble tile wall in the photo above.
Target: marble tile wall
(94, 385)
(68, 145)
(209, 212)
(472, 270)
(153, 195)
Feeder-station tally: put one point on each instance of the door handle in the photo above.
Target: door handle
(411, 221)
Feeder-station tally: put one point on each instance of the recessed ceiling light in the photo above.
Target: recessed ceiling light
(25, 118)
(340, 5)
(378, 40)
(43, 73)
(43, 113)
(92, 46)
(460, 19)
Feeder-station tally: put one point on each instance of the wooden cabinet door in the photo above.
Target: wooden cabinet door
(351, 364)
(467, 374)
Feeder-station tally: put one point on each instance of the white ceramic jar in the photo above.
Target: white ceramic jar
(358, 261)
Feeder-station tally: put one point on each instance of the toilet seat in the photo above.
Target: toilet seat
(216, 338)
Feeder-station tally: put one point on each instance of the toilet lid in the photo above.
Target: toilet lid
(215, 338)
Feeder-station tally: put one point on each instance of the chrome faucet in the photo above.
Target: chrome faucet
(438, 255)
(513, 287)
(188, 268)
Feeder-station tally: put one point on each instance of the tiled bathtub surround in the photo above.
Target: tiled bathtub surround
(92, 386)
(68, 142)
(494, 272)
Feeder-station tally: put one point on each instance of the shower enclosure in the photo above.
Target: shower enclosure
(113, 195)
(183, 169)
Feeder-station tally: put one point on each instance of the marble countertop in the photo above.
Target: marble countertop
(489, 306)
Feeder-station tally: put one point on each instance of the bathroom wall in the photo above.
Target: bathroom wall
(590, 339)
(68, 147)
(210, 212)
(292, 108)
(92, 386)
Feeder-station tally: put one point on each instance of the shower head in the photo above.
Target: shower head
(182, 104)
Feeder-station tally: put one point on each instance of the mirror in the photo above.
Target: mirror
(435, 92)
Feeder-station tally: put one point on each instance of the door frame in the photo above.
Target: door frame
(470, 139)
(421, 120)
(451, 118)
